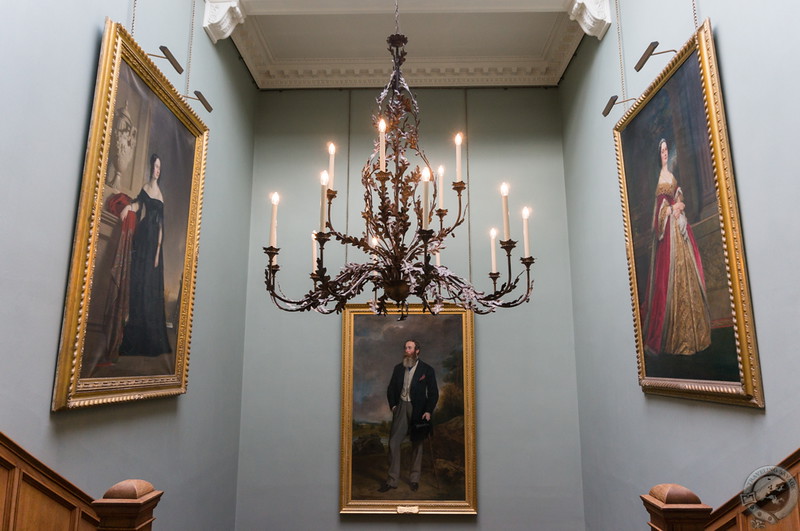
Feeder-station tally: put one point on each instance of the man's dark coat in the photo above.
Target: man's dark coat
(423, 391)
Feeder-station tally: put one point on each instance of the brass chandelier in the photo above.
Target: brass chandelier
(397, 236)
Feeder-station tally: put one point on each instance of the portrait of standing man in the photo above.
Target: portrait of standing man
(412, 396)
(389, 412)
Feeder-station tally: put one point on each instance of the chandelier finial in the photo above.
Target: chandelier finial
(397, 44)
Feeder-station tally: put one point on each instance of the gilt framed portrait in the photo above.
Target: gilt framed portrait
(128, 313)
(692, 311)
(408, 412)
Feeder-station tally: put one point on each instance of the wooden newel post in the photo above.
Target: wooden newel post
(127, 506)
(675, 508)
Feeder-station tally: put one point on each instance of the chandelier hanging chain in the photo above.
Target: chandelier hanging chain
(397, 236)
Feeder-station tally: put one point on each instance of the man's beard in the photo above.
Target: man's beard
(409, 362)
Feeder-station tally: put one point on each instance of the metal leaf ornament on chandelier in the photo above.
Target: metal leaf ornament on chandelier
(398, 237)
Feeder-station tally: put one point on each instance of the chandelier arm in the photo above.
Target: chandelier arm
(461, 298)
(353, 276)
(508, 287)
(461, 293)
(330, 194)
(444, 232)
(290, 305)
(464, 291)
(524, 297)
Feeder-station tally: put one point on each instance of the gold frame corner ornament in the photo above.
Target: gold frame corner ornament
(351, 504)
(71, 388)
(747, 390)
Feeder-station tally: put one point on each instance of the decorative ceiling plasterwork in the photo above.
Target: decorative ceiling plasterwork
(592, 15)
(221, 18)
(542, 66)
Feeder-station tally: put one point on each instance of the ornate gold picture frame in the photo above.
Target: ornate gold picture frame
(128, 313)
(372, 377)
(691, 302)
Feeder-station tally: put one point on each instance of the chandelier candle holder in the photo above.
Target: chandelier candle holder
(398, 236)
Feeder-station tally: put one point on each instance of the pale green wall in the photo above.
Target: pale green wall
(186, 446)
(630, 441)
(534, 469)
(529, 472)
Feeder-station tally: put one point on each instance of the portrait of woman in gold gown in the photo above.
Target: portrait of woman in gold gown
(675, 315)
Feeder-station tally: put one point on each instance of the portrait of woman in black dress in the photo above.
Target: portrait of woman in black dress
(145, 332)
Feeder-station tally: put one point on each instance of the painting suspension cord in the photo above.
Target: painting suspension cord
(694, 13)
(619, 47)
(133, 19)
(469, 211)
(349, 155)
(191, 40)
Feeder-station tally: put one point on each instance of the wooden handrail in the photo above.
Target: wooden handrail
(34, 496)
(673, 507)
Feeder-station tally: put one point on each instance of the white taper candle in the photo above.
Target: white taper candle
(323, 201)
(526, 213)
(426, 178)
(273, 226)
(493, 238)
(458, 157)
(440, 191)
(332, 155)
(382, 142)
(506, 225)
(313, 250)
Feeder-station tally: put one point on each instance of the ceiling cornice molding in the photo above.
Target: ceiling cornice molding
(222, 16)
(364, 7)
(270, 73)
(544, 66)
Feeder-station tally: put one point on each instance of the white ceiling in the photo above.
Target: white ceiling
(452, 43)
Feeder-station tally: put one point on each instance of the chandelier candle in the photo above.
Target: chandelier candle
(323, 200)
(382, 142)
(526, 213)
(426, 207)
(458, 157)
(506, 225)
(440, 190)
(273, 226)
(493, 240)
(332, 153)
(313, 251)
